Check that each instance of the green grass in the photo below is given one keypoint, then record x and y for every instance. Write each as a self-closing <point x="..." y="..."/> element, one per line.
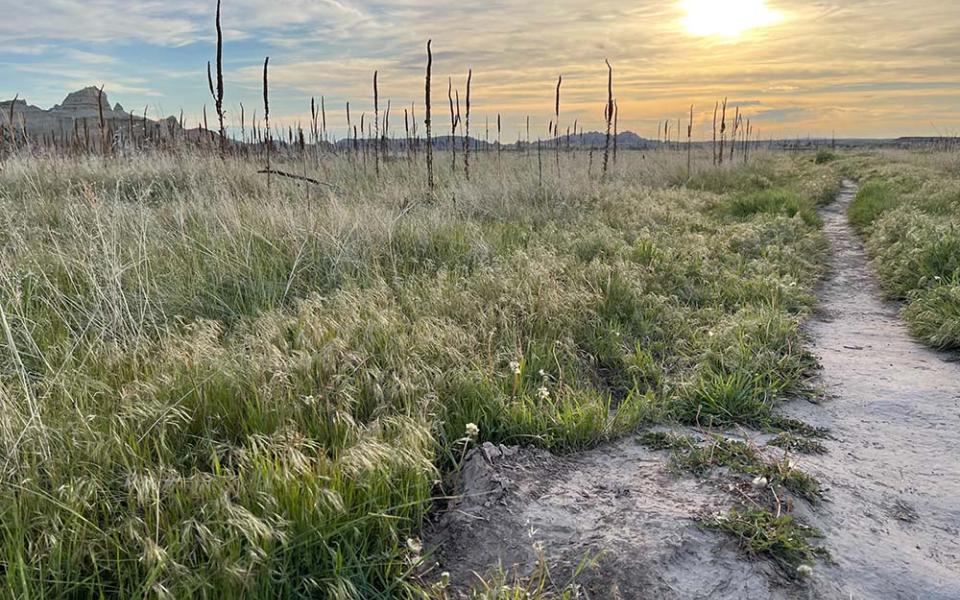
<point x="825" y="156"/>
<point x="773" y="202"/>
<point x="780" y="538"/>
<point x="209" y="389"/>
<point x="872" y="200"/>
<point x="738" y="457"/>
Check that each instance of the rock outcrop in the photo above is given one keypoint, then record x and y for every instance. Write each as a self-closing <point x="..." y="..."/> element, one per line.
<point x="80" y="110"/>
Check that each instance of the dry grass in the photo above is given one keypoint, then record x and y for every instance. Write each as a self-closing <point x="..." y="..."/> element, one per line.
<point x="213" y="385"/>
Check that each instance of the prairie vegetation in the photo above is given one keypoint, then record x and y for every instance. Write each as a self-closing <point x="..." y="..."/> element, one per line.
<point x="216" y="385"/>
<point x="908" y="209"/>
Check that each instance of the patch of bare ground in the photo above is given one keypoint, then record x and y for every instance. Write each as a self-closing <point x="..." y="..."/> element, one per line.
<point x="619" y="504"/>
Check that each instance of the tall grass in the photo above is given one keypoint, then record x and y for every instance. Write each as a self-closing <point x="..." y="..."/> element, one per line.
<point x="216" y="388"/>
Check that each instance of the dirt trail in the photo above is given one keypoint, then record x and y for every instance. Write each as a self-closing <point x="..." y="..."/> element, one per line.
<point x="891" y="518"/>
<point x="893" y="472"/>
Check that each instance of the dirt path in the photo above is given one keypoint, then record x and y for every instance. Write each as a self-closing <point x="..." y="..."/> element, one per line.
<point x="893" y="472"/>
<point x="891" y="518"/>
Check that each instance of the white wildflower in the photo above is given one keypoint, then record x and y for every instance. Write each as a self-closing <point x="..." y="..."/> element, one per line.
<point x="805" y="570"/>
<point x="543" y="393"/>
<point x="414" y="546"/>
<point x="515" y="367"/>
<point x="472" y="430"/>
<point x="542" y="373"/>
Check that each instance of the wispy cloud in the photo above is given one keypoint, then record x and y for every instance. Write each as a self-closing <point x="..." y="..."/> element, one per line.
<point x="849" y="65"/>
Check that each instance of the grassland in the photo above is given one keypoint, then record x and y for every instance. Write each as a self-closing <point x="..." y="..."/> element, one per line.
<point x="215" y="388"/>
<point x="908" y="209"/>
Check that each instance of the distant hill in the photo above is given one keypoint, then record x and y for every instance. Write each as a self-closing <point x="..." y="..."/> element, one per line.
<point x="80" y="110"/>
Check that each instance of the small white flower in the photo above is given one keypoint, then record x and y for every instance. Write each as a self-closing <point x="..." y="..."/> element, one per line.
<point x="414" y="546"/>
<point x="542" y="373"/>
<point x="515" y="367"/>
<point x="760" y="482"/>
<point x="543" y="393"/>
<point x="472" y="430"/>
<point x="805" y="570"/>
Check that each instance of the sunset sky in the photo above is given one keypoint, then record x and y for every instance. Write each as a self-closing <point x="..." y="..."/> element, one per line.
<point x="862" y="68"/>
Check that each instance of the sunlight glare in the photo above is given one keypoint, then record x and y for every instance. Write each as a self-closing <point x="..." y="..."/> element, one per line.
<point x="727" y="18"/>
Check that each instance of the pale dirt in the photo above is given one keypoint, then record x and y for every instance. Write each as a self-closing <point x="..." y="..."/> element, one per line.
<point x="891" y="518"/>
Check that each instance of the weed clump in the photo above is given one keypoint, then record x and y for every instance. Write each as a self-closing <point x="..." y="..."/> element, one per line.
<point x="796" y="443"/>
<point x="742" y="458"/>
<point x="824" y="156"/>
<point x="789" y="544"/>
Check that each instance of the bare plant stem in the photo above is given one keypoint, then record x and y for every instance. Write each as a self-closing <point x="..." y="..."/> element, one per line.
<point x="608" y="113"/>
<point x="427" y="121"/>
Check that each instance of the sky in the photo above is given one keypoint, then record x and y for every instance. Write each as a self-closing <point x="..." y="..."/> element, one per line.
<point x="853" y="68"/>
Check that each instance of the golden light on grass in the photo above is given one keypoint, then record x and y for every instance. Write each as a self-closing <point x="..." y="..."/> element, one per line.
<point x="727" y="18"/>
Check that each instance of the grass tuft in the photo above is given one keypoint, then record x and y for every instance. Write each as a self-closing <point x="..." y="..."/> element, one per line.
<point x="782" y="539"/>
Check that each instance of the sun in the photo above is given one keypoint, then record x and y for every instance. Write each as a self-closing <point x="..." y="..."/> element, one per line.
<point x="727" y="18"/>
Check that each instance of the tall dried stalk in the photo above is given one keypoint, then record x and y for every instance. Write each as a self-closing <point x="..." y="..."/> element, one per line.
<point x="427" y="120"/>
<point x="556" y="123"/>
<point x="323" y="117"/>
<point x="466" y="134"/>
<point x="243" y="124"/>
<point x="406" y="132"/>
<point x="103" y="125"/>
<point x="733" y="136"/>
<point x="608" y="114"/>
<point x="266" y="114"/>
<point x="385" y="133"/>
<point x="453" y="121"/>
<point x="498" y="140"/>
<point x="376" y="124"/>
<point x="723" y="129"/>
<point x="746" y="142"/>
<point x="690" y="141"/>
<point x="218" y="92"/>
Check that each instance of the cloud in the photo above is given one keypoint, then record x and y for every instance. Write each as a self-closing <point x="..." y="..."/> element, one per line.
<point x="822" y="62"/>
